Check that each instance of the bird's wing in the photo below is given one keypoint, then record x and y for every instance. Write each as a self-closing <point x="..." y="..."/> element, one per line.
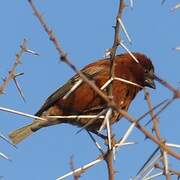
<point x="89" y="72"/>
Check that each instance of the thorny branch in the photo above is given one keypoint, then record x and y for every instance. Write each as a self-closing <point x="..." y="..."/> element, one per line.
<point x="176" y="92"/>
<point x="154" y="118"/>
<point x="157" y="131"/>
<point x="63" y="56"/>
<point x="117" y="39"/>
<point x="173" y="172"/>
<point x="107" y="156"/>
<point x="12" y="76"/>
<point x="12" y="73"/>
<point x="83" y="168"/>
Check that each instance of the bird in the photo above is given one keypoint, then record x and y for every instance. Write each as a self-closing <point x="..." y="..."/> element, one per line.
<point x="130" y="77"/>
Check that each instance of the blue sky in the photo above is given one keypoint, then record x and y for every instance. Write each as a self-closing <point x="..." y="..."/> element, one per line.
<point x="84" y="29"/>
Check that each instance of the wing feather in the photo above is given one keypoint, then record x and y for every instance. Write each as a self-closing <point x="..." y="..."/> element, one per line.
<point x="90" y="72"/>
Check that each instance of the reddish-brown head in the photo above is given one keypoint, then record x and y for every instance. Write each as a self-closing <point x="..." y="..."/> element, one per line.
<point x="140" y="73"/>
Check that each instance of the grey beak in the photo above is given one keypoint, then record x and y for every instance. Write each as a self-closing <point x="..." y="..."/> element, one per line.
<point x="150" y="83"/>
<point x="149" y="80"/>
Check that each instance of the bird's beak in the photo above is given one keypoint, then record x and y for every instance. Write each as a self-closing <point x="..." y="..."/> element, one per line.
<point x="149" y="80"/>
<point x="150" y="83"/>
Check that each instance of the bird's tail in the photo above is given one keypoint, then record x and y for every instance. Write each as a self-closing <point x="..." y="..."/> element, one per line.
<point x="20" y="134"/>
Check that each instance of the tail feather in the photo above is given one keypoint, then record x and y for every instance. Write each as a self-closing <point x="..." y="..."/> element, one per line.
<point x="20" y="134"/>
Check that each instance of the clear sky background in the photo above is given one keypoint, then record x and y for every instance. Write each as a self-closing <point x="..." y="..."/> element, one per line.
<point x="84" y="29"/>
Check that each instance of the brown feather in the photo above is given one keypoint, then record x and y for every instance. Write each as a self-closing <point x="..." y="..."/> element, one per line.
<point x="84" y="100"/>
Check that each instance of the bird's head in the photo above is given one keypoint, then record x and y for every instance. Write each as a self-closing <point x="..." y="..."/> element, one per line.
<point x="147" y="70"/>
<point x="141" y="73"/>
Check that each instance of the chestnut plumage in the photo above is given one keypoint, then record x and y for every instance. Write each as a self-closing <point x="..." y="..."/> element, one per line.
<point x="85" y="101"/>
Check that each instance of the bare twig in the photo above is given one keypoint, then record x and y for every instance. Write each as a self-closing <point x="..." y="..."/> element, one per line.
<point x="106" y="122"/>
<point x="162" y="109"/>
<point x="12" y="73"/>
<point x="76" y="117"/>
<point x="117" y="145"/>
<point x="166" y="165"/>
<point x="109" y="162"/>
<point x="75" y="175"/>
<point x="32" y="52"/>
<point x="168" y="86"/>
<point x="21" y="113"/>
<point x="154" y="118"/>
<point x="117" y="39"/>
<point x="154" y="108"/>
<point x="125" y="31"/>
<point x="128" y="51"/>
<point x="120" y="79"/>
<point x="153" y="176"/>
<point x="149" y="164"/>
<point x="173" y="172"/>
<point x="19" y="89"/>
<point x="83" y="168"/>
<point x="96" y="143"/>
<point x="126" y="135"/>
